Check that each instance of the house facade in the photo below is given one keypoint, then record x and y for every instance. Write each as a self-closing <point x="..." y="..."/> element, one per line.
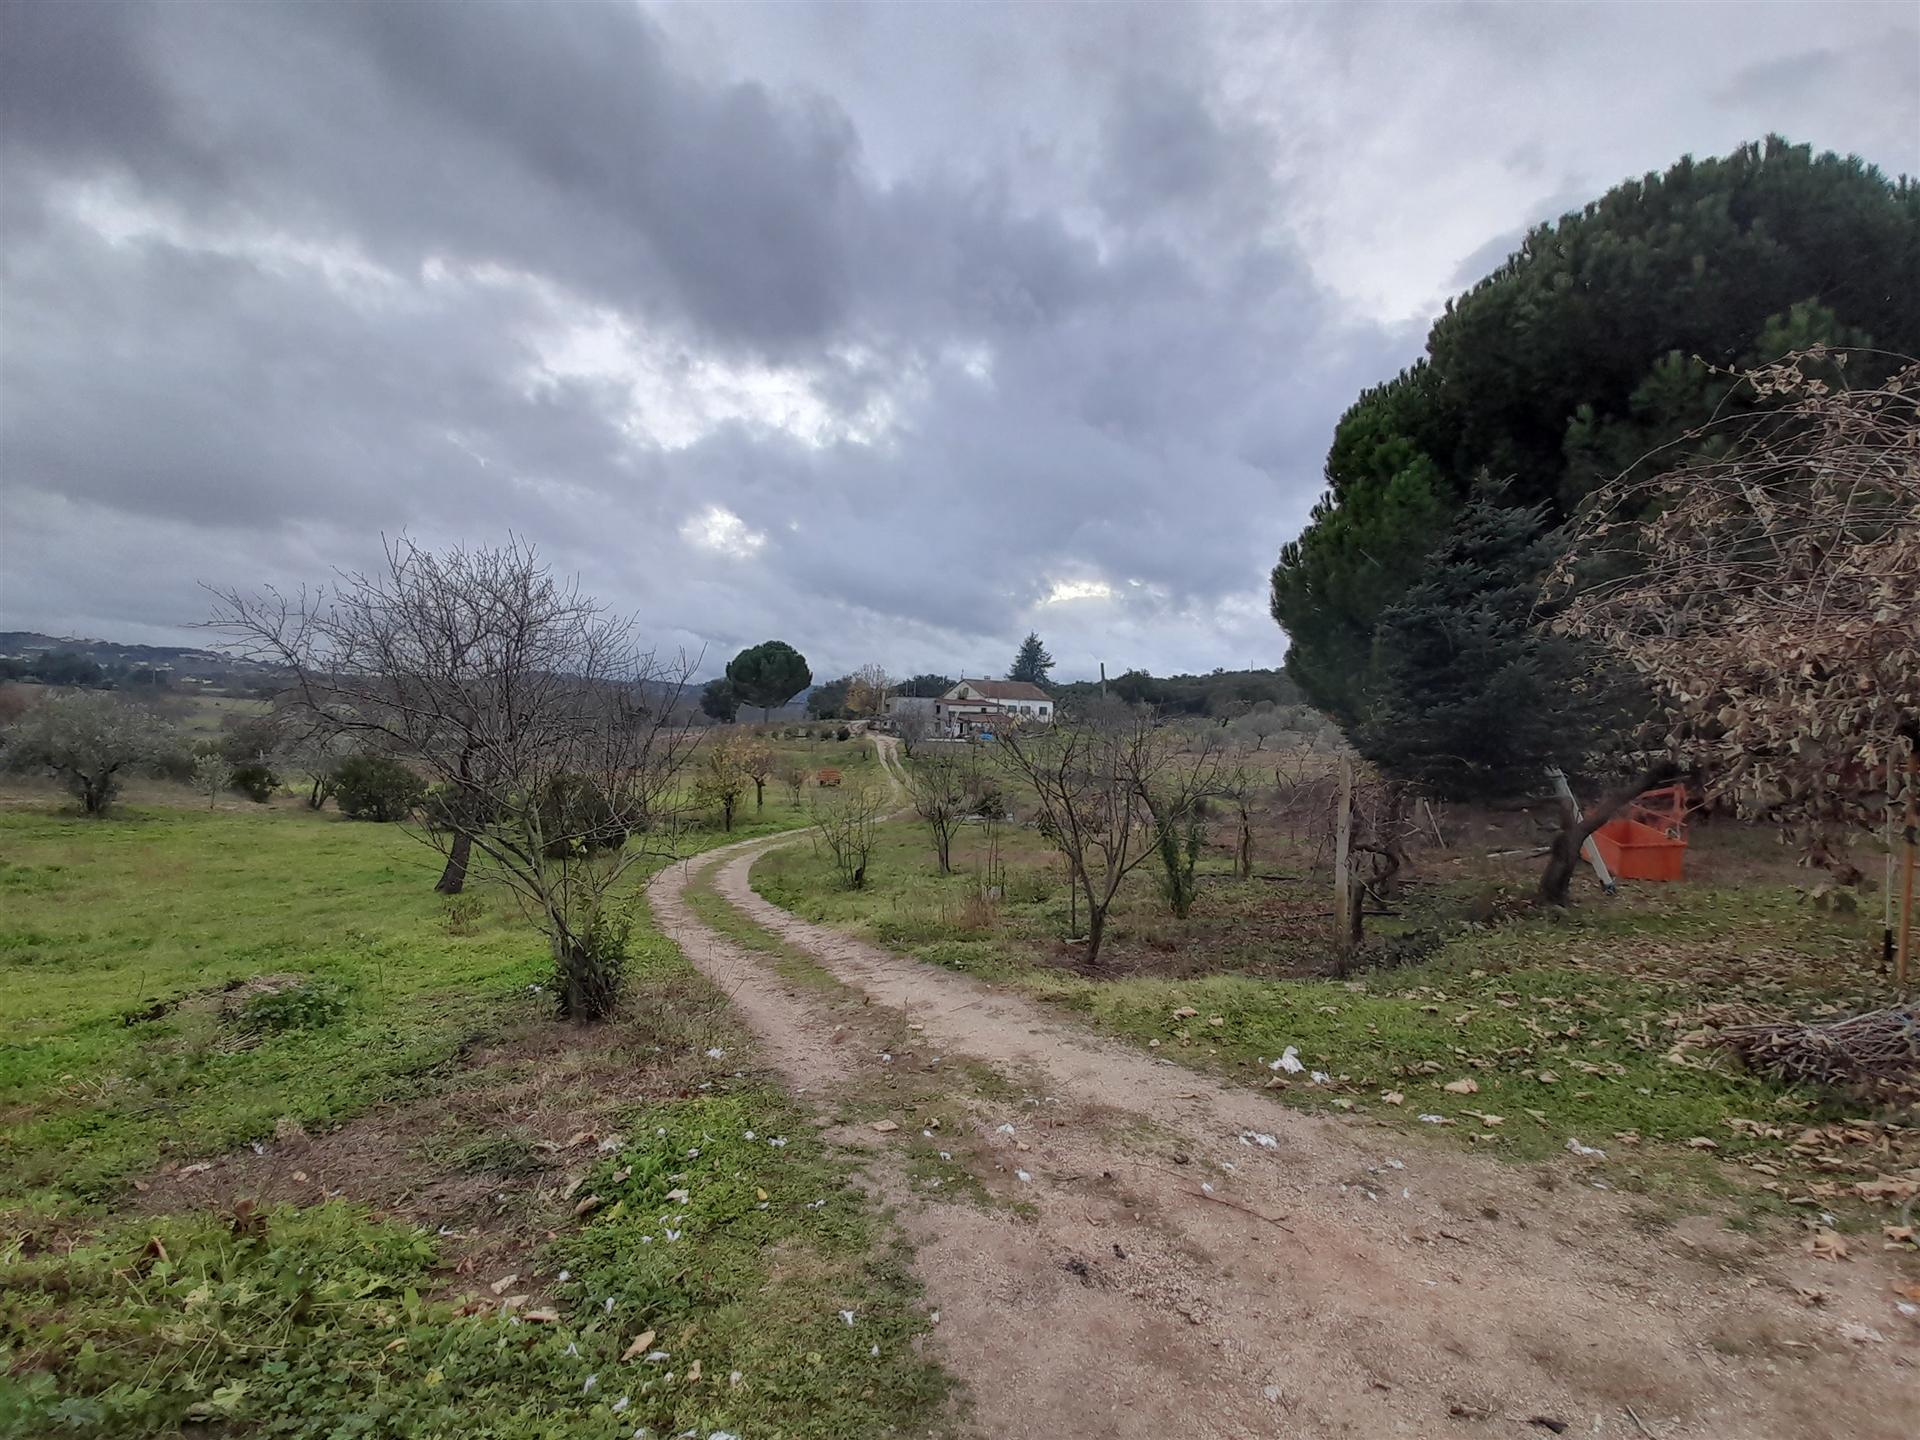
<point x="973" y="706"/>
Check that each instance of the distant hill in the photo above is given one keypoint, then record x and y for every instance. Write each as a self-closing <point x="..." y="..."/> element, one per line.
<point x="79" y="660"/>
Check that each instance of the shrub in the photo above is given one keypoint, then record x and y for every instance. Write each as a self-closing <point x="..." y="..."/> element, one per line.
<point x="255" y="781"/>
<point x="176" y="765"/>
<point x="377" y="787"/>
<point x="306" y="1006"/>
<point x="591" y="973"/>
<point x="843" y="733"/>
<point x="577" y="817"/>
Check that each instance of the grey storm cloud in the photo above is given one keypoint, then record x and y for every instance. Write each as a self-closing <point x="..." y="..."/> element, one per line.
<point x="892" y="330"/>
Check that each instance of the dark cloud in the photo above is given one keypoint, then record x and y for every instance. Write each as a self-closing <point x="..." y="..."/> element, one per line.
<point x="893" y="330"/>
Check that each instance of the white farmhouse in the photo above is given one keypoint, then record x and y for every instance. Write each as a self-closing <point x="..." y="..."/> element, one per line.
<point x="979" y="704"/>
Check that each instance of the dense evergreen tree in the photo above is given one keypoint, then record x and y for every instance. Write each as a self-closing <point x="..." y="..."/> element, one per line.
<point x="926" y="687"/>
<point x="1579" y="354"/>
<point x="1032" y="663"/>
<point x="720" y="701"/>
<point x="829" y="699"/>
<point x="1473" y="697"/>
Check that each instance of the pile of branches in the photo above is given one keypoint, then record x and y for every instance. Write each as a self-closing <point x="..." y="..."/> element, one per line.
<point x="1875" y="1056"/>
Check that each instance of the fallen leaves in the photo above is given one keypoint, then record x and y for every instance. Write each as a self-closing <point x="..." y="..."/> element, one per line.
<point x="639" y="1345"/>
<point x="1826" y="1244"/>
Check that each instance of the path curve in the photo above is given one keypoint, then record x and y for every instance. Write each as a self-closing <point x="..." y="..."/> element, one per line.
<point x="1413" y="1290"/>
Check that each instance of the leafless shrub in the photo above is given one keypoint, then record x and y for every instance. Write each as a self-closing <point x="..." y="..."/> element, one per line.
<point x="843" y="824"/>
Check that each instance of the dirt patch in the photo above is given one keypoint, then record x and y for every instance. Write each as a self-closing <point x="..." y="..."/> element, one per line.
<point x="485" y="1163"/>
<point x="1295" y="1274"/>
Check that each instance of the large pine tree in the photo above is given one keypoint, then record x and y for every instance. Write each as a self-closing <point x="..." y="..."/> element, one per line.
<point x="1033" y="662"/>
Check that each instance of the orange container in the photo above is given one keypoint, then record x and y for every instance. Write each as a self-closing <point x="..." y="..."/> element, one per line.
<point x="1634" y="851"/>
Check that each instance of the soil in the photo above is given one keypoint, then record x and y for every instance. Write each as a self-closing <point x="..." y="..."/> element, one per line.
<point x="550" y="1091"/>
<point x="1190" y="1258"/>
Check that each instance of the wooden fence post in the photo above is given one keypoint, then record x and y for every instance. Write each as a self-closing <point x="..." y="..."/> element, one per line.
<point x="1905" y="950"/>
<point x="1342" y="878"/>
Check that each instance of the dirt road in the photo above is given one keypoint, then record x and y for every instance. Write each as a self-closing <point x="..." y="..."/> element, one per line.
<point x="1151" y="1253"/>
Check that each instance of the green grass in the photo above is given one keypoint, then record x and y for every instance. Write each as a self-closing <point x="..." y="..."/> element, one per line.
<point x="321" y="1321"/>
<point x="154" y="914"/>
<point x="1562" y="1021"/>
<point x="124" y="1050"/>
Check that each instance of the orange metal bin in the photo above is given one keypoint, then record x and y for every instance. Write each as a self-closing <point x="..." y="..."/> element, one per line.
<point x="1634" y="851"/>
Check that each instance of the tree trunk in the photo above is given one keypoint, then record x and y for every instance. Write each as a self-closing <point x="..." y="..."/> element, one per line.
<point x="453" y="879"/>
<point x="1096" y="931"/>
<point x="943" y="847"/>
<point x="1563" y="856"/>
<point x="759" y="792"/>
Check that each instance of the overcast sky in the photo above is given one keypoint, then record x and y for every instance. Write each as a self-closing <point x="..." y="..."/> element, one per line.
<point x="892" y="331"/>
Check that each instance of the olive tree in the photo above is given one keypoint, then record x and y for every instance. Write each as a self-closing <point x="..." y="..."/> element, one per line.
<point x="89" y="739"/>
<point x="500" y="685"/>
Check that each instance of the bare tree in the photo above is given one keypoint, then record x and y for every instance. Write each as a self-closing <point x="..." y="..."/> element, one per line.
<point x="1238" y="783"/>
<point x="794" y="778"/>
<point x="843" y="823"/>
<point x="755" y="759"/>
<point x="90" y="739"/>
<point x="944" y="788"/>
<point x="1175" y="785"/>
<point x="1086" y="781"/>
<point x="912" y="725"/>
<point x="867" y="691"/>
<point x="547" y="732"/>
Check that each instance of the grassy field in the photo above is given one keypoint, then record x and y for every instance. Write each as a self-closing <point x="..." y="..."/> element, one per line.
<point x="1517" y="1036"/>
<point x="279" y="1123"/>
